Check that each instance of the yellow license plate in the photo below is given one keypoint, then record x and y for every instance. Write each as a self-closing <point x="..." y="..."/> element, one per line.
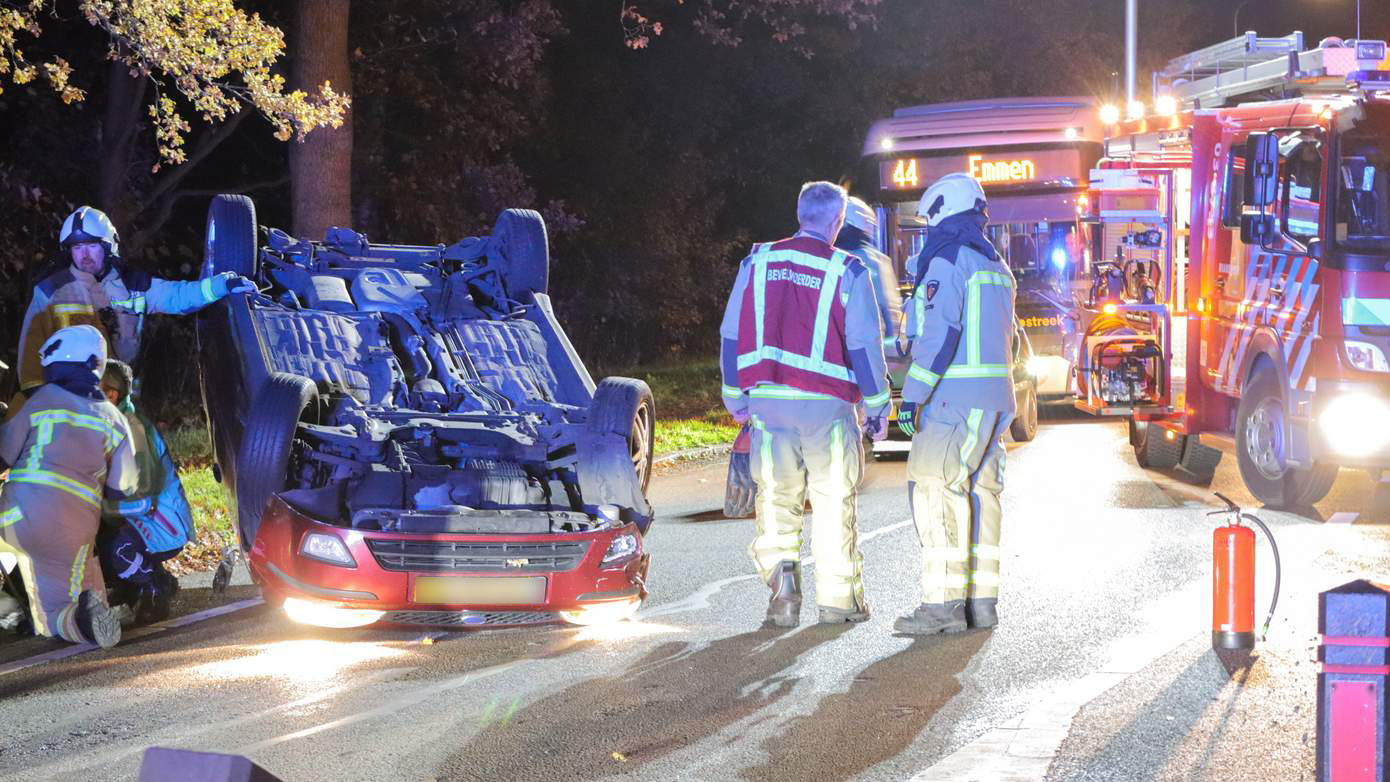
<point x="473" y="590"/>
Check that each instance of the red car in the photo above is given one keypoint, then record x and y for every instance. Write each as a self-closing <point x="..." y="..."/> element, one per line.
<point x="409" y="436"/>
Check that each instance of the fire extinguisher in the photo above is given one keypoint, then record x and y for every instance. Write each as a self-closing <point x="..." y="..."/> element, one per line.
<point x="1233" y="579"/>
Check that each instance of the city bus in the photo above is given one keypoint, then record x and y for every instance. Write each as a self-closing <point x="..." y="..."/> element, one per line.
<point x="1033" y="157"/>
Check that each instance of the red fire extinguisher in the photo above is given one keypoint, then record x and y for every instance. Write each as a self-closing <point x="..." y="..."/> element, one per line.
<point x="1233" y="580"/>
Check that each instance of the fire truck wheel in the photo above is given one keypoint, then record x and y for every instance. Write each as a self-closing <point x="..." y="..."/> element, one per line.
<point x="1261" y="449"/>
<point x="1199" y="462"/>
<point x="1156" y="448"/>
<point x="1024" y="427"/>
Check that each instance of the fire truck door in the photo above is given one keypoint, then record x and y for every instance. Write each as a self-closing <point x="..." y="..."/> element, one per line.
<point x="1225" y="262"/>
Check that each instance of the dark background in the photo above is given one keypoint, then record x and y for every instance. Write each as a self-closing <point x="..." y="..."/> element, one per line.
<point x="655" y="168"/>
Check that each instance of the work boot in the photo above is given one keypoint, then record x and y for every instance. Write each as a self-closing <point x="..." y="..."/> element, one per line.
<point x="982" y="613"/>
<point x="833" y="616"/>
<point x="784" y="607"/>
<point x="932" y="618"/>
<point x="98" y="623"/>
<point x="11" y="612"/>
<point x="156" y="598"/>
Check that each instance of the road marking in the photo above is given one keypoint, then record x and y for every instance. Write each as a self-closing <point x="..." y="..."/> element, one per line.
<point x="700" y="598"/>
<point x="1343" y="517"/>
<point x="138" y="632"/>
<point x="1024" y="748"/>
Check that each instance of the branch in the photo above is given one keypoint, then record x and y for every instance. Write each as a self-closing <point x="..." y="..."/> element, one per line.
<point x="173" y="176"/>
<point x="166" y="204"/>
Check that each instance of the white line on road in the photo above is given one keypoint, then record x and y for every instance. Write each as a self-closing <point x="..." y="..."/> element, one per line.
<point x="139" y="632"/>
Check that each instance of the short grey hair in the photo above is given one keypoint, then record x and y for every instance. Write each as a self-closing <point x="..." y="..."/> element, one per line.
<point x="820" y="203"/>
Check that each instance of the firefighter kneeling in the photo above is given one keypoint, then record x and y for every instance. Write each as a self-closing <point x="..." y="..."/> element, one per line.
<point x="801" y="348"/>
<point x="957" y="402"/>
<point x="67" y="448"/>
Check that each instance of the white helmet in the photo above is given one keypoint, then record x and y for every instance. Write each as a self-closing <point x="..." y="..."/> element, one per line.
<point x="90" y="225"/>
<point x="859" y="215"/>
<point x="951" y="195"/>
<point x="77" y="344"/>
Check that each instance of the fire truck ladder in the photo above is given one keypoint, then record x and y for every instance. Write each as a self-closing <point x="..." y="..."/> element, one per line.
<point x="1250" y="67"/>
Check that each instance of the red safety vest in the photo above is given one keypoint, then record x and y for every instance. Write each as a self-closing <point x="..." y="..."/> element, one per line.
<point x="792" y="319"/>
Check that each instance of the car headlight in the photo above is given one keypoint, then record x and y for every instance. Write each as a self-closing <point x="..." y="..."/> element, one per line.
<point x="1356" y="424"/>
<point x="1367" y="357"/>
<point x="622" y="547"/>
<point x="326" y="548"/>
<point x="1036" y="366"/>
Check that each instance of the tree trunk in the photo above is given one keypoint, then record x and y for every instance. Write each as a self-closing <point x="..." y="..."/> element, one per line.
<point x="125" y="97"/>
<point x="321" y="165"/>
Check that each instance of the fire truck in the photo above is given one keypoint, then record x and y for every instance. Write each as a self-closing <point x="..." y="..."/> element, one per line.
<point x="1238" y="239"/>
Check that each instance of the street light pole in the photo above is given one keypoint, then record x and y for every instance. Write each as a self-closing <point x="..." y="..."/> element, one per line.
<point x="1235" y="21"/>
<point x="1131" y="44"/>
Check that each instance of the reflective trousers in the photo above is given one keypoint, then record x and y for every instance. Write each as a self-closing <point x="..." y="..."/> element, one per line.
<point x="955" y="474"/>
<point x="812" y="447"/>
<point x="53" y="534"/>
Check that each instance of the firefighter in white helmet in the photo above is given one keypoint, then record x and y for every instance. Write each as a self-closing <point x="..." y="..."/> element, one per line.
<point x="97" y="289"/>
<point x="858" y="237"/>
<point x="801" y="348"/>
<point x="66" y="449"/>
<point x="958" y="400"/>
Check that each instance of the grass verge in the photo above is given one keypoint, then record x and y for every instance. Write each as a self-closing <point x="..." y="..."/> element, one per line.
<point x="689" y="415"/>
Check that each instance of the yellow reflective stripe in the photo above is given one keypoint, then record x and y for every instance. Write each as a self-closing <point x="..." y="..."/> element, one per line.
<point x="114" y="436"/>
<point x="79" y="568"/>
<point x="827" y="299"/>
<point x="925" y="375"/>
<point x="758" y="279"/>
<point x="54" y="480"/>
<point x="730" y="391"/>
<point x="944" y="554"/>
<point x="986" y="551"/>
<point x="984" y="578"/>
<point x="73" y="309"/>
<point x="991" y="278"/>
<point x="784" y="392"/>
<point x="206" y="289"/>
<point x="979" y="370"/>
<point x="10" y="517"/>
<point x="877" y="400"/>
<point x="770" y="353"/>
<point x="972" y="438"/>
<point x="135" y="304"/>
<point x="768" y="487"/>
<point x="972" y="325"/>
<point x="801" y="259"/>
<point x="955" y="581"/>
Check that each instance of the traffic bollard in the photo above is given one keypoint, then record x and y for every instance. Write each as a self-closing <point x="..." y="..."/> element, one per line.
<point x="1354" y="623"/>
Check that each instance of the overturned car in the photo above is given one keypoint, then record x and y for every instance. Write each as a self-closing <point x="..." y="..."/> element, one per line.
<point x="409" y="436"/>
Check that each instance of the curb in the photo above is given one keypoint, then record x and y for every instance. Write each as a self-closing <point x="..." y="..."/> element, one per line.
<point x="690" y="454"/>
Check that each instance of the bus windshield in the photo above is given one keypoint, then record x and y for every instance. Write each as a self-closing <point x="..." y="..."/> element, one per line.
<point x="1363" y="194"/>
<point x="1042" y="255"/>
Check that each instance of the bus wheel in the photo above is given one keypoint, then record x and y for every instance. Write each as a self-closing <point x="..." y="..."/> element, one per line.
<point x="1262" y="449"/>
<point x="1155" y="448"/>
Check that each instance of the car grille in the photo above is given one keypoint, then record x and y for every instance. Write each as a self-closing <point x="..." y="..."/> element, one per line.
<point x="469" y="618"/>
<point x="455" y="557"/>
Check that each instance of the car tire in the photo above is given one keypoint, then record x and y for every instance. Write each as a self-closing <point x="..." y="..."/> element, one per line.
<point x="1024" y="427"/>
<point x="1153" y="449"/>
<point x="231" y="237"/>
<point x="625" y="406"/>
<point x="264" y="455"/>
<point x="520" y="237"/>
<point x="1261" y="450"/>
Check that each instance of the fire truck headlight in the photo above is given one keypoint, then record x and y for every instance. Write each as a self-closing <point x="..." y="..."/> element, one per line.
<point x="1366" y="357"/>
<point x="1135" y="109"/>
<point x="1166" y="105"/>
<point x="1356" y="424"/>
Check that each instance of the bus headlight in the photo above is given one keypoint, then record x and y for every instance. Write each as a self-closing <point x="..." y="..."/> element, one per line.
<point x="1037" y="366"/>
<point x="1356" y="424"/>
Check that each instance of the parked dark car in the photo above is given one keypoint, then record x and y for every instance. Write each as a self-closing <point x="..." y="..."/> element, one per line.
<point x="409" y="436"/>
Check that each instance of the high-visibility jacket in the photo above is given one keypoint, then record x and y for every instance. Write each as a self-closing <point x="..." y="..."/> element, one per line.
<point x="71" y="297"/>
<point x="72" y="444"/>
<point x="961" y="323"/>
<point x="802" y="322"/>
<point x="156" y="509"/>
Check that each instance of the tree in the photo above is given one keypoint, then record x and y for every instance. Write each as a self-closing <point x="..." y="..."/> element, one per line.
<point x="321" y="165"/>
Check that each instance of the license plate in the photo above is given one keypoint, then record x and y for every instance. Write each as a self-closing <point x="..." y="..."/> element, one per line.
<point x="473" y="590"/>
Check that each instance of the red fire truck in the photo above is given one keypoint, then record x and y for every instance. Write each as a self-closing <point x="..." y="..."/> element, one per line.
<point x="1238" y="236"/>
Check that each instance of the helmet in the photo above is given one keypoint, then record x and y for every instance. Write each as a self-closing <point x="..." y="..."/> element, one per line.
<point x="76" y="344"/>
<point x="859" y="215"/>
<point x="90" y="225"/>
<point x="952" y="194"/>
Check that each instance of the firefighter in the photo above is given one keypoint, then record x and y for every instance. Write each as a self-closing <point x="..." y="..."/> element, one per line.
<point x="99" y="290"/>
<point x="857" y="236"/>
<point x="958" y="399"/>
<point x="141" y="532"/>
<point x="801" y="348"/>
<point x="66" y="449"/>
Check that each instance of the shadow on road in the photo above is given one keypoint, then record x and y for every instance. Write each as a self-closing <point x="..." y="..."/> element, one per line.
<point x="671" y="698"/>
<point x="885" y="709"/>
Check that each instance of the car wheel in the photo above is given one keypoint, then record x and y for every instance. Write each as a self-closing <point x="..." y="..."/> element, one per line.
<point x="625" y="406"/>
<point x="1199" y="462"/>
<point x="520" y="235"/>
<point x="231" y="236"/>
<point x="1156" y="448"/>
<point x="1262" y="449"/>
<point x="1024" y="427"/>
<point x="264" y="455"/>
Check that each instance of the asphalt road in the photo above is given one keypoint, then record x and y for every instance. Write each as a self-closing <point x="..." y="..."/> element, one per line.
<point x="1101" y="668"/>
